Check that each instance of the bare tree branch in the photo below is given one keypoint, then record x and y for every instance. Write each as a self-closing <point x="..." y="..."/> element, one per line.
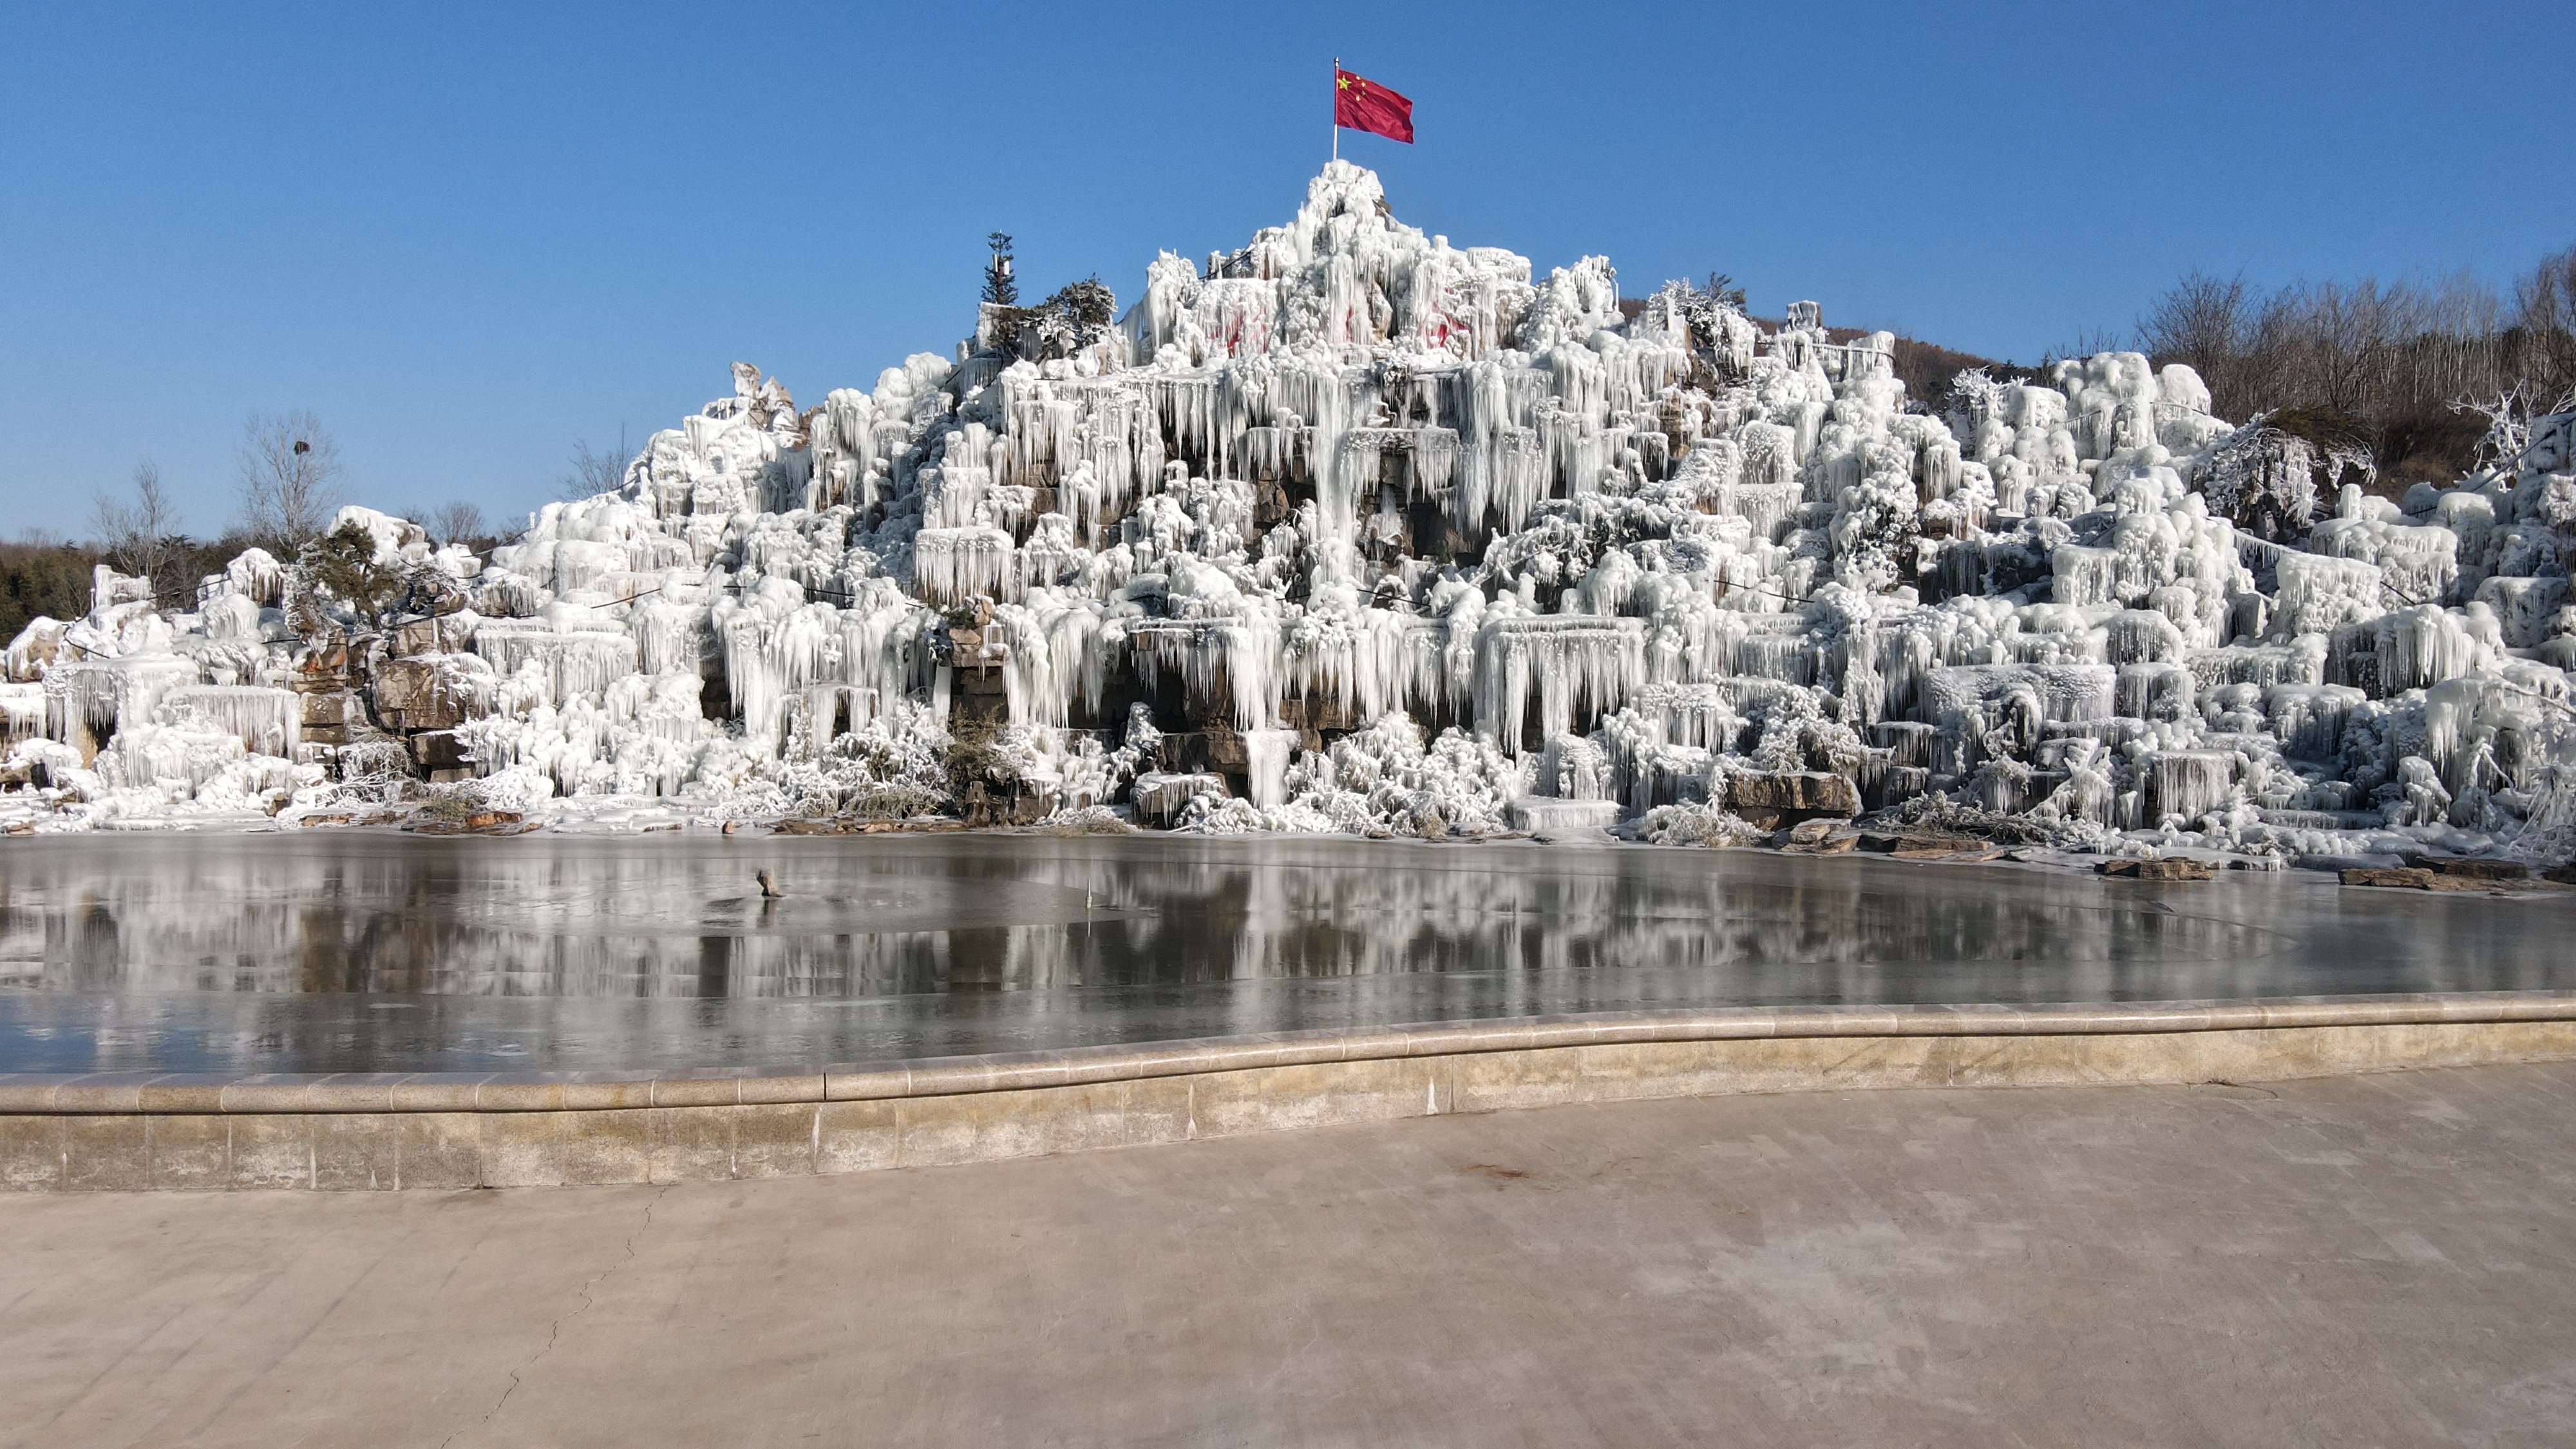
<point x="290" y="473"/>
<point x="2203" y="322"/>
<point x="457" y="523"/>
<point x="2396" y="357"/>
<point x="2545" y="312"/>
<point x="140" y="537"/>
<point x="598" y="470"/>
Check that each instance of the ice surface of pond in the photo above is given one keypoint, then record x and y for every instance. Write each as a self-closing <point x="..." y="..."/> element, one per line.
<point x="382" y="952"/>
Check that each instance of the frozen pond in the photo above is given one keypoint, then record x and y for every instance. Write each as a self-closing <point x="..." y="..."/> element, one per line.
<point x="364" y="951"/>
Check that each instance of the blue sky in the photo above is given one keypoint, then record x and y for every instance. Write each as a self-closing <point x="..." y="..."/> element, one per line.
<point x="469" y="236"/>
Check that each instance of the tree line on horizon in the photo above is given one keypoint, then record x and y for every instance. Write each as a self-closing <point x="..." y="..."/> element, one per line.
<point x="290" y="483"/>
<point x="2415" y="370"/>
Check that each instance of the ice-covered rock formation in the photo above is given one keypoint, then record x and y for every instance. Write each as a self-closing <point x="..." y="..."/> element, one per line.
<point x="1352" y="529"/>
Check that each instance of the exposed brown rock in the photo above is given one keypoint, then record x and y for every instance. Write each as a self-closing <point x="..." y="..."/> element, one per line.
<point x="2481" y="870"/>
<point x="1923" y="847"/>
<point x="445" y="634"/>
<point x="1946" y="852"/>
<point x="1819" y="837"/>
<point x="481" y="822"/>
<point x="2371" y="875"/>
<point x="1774" y="797"/>
<point x="2170" y="868"/>
<point x="438" y="750"/>
<point x="414" y="694"/>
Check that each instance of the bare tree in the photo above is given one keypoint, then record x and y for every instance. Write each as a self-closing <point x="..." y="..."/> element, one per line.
<point x="598" y="470"/>
<point x="458" y="522"/>
<point x="2088" y="341"/>
<point x="2390" y="356"/>
<point x="2202" y="322"/>
<point x="140" y="537"/>
<point x="2458" y="343"/>
<point x="2544" y="306"/>
<point x="290" y="473"/>
<point x="2353" y="335"/>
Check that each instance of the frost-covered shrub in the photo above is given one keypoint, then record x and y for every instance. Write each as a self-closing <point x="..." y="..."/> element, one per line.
<point x="985" y="752"/>
<point x="1697" y="823"/>
<point x="1796" y="734"/>
<point x="1384" y="781"/>
<point x="2267" y="476"/>
<point x="1086" y="820"/>
<point x="453" y="804"/>
<point x="517" y="789"/>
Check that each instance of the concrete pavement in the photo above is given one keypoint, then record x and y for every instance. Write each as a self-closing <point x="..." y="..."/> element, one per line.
<point x="2374" y="1259"/>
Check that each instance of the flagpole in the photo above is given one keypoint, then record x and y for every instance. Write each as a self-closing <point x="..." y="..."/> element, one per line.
<point x="1337" y="108"/>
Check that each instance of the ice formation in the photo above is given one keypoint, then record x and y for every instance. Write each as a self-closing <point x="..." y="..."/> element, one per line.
<point x="1352" y="529"/>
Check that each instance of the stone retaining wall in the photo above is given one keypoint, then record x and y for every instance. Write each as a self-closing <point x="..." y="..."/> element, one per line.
<point x="453" y="1131"/>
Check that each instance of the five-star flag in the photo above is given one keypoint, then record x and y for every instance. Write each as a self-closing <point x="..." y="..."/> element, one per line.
<point x="1364" y="105"/>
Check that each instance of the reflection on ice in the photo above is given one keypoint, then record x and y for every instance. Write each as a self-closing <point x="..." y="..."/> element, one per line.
<point x="188" y="952"/>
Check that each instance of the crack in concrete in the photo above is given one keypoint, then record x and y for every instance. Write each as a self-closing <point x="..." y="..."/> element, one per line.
<point x="554" y="1330"/>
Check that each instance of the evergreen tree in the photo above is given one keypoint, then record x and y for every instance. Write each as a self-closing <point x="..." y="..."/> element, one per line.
<point x="999" y="289"/>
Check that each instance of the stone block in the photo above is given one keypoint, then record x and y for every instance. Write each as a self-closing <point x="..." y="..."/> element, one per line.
<point x="604" y="1091"/>
<point x="1318" y="1094"/>
<point x="31" y="1152"/>
<point x="596" y="1148"/>
<point x="272" y="1151"/>
<point x="324" y="659"/>
<point x="1791" y="794"/>
<point x="446" y="634"/>
<point x="324" y="709"/>
<point x="1226" y="751"/>
<point x="112" y="1153"/>
<point x="774" y="1140"/>
<point x="757" y="1087"/>
<point x="357" y="1151"/>
<point x="438" y="1149"/>
<point x="405" y="684"/>
<point x="696" y="1144"/>
<point x="439" y="710"/>
<point x="1158" y="1109"/>
<point x="988" y="1126"/>
<point x="523" y="1149"/>
<point x="193" y="1151"/>
<point x="856" y="1136"/>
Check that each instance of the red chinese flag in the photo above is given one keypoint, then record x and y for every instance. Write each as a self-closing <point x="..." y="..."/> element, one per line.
<point x="1364" y="105"/>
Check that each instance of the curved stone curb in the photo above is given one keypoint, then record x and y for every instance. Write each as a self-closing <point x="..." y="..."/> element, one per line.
<point x="467" y="1130"/>
<point x="183" y="1094"/>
